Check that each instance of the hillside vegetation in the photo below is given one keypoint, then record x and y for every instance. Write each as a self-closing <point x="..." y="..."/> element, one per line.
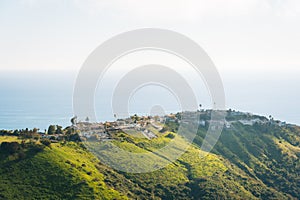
<point x="248" y="162"/>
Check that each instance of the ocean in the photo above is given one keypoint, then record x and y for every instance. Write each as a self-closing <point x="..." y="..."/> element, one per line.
<point x="32" y="99"/>
<point x="35" y="99"/>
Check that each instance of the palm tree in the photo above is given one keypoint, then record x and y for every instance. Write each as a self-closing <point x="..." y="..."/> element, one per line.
<point x="74" y="120"/>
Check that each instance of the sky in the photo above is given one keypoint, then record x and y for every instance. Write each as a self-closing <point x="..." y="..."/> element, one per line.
<point x="238" y="35"/>
<point x="254" y="44"/>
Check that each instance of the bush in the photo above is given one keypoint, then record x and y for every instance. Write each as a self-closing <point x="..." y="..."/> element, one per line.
<point x="46" y="142"/>
<point x="170" y="135"/>
<point x="10" y="147"/>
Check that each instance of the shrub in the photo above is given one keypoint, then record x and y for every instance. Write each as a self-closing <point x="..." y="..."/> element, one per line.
<point x="89" y="173"/>
<point x="46" y="142"/>
<point x="170" y="135"/>
<point x="10" y="147"/>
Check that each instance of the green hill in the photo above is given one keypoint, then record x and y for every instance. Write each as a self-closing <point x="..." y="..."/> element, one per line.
<point x="259" y="161"/>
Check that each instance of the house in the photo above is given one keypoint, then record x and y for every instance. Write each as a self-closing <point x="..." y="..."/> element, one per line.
<point x="280" y="123"/>
<point x="247" y="122"/>
<point x="251" y="122"/>
<point x="202" y="122"/>
<point x="227" y="124"/>
<point x="258" y="121"/>
<point x="216" y="124"/>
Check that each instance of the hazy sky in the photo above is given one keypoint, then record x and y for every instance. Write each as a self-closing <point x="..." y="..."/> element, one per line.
<point x="238" y="35"/>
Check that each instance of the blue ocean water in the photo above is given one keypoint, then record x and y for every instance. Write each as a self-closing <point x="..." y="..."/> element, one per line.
<point x="31" y="99"/>
<point x="35" y="99"/>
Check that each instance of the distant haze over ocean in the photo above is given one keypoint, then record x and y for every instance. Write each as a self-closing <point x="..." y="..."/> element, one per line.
<point x="39" y="98"/>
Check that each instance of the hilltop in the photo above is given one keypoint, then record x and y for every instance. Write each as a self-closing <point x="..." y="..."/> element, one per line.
<point x="255" y="158"/>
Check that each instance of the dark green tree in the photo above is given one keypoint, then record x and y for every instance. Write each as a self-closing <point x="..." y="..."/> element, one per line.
<point x="59" y="130"/>
<point x="51" y="130"/>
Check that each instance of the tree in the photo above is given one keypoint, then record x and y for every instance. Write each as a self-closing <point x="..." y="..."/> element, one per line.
<point x="35" y="131"/>
<point x="10" y="147"/>
<point x="35" y="134"/>
<point x="74" y="120"/>
<point x="69" y="130"/>
<point x="59" y="130"/>
<point x="135" y="118"/>
<point x="51" y="130"/>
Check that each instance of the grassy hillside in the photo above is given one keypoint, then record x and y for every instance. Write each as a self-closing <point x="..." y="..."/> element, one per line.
<point x="59" y="172"/>
<point x="266" y="152"/>
<point x="248" y="162"/>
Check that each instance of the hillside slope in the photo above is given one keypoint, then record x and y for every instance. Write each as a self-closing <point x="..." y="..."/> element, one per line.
<point x="248" y="162"/>
<point x="268" y="152"/>
<point x="59" y="172"/>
